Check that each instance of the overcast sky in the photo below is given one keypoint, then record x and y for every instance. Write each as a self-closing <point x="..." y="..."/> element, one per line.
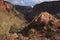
<point x="27" y="2"/>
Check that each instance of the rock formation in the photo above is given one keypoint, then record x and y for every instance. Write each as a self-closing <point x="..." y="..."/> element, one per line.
<point x="4" y="5"/>
<point x="43" y="21"/>
<point x="45" y="17"/>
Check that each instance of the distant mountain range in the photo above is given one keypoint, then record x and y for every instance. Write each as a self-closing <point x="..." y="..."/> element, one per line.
<point x="25" y="10"/>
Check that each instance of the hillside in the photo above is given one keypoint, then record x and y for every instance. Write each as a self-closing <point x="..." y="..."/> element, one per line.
<point x="26" y="11"/>
<point x="51" y="7"/>
<point x="11" y="20"/>
<point x="42" y="22"/>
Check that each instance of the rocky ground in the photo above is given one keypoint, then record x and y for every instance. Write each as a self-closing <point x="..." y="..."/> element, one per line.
<point x="13" y="25"/>
<point x="44" y="28"/>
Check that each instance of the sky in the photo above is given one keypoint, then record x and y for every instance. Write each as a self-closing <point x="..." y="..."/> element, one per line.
<point x="27" y="2"/>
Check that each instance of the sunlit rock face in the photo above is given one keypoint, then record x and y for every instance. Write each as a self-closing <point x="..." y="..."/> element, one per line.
<point x="43" y="21"/>
<point x="46" y="18"/>
<point x="2" y="5"/>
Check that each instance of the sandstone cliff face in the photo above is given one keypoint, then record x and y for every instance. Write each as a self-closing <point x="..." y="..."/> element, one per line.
<point x="45" y="17"/>
<point x="2" y="5"/>
<point x="47" y="21"/>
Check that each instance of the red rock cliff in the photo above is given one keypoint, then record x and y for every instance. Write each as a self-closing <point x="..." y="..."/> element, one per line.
<point x="5" y="6"/>
<point x="2" y="5"/>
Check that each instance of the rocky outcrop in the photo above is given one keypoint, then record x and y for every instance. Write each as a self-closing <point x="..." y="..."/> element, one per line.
<point x="44" y="21"/>
<point x="47" y="21"/>
<point x="45" y="17"/>
<point x="4" y="5"/>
